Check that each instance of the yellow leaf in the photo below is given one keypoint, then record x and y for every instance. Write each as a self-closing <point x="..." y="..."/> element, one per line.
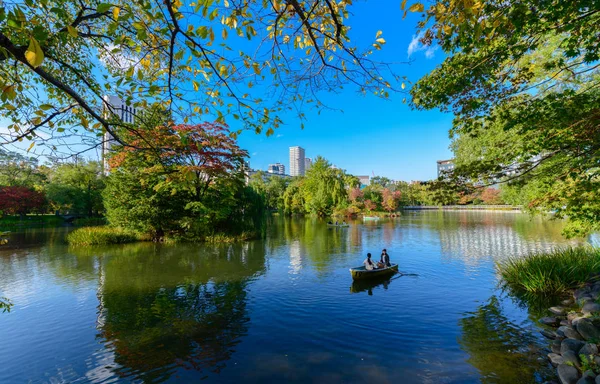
<point x="195" y="84"/>
<point x="378" y="34"/>
<point x="403" y="5"/>
<point x="381" y="40"/>
<point x="34" y="54"/>
<point x="226" y="3"/>
<point x="256" y="68"/>
<point x="116" y="11"/>
<point x="30" y="146"/>
<point x="403" y="85"/>
<point x="72" y="31"/>
<point x="416" y="7"/>
<point x="224" y="33"/>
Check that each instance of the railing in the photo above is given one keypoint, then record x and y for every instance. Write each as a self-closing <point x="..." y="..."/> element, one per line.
<point x="463" y="207"/>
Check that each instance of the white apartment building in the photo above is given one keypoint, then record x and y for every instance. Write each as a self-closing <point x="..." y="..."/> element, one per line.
<point x="277" y="168"/>
<point x="297" y="161"/>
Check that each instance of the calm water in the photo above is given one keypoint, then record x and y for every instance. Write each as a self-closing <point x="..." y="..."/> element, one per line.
<point x="279" y="310"/>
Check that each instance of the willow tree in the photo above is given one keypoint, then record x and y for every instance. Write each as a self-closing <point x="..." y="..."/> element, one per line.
<point x="522" y="78"/>
<point x="253" y="61"/>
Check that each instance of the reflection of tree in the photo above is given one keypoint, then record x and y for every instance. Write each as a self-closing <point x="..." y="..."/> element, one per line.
<point x="499" y="349"/>
<point x="164" y="307"/>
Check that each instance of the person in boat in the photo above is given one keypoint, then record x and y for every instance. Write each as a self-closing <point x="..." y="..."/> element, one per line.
<point x="329" y="222"/>
<point x="336" y="223"/>
<point x="385" y="259"/>
<point x="369" y="264"/>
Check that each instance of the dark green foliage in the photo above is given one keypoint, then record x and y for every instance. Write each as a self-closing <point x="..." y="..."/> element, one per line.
<point x="524" y="91"/>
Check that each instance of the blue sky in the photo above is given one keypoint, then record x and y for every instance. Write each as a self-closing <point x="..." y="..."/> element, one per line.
<point x="370" y="135"/>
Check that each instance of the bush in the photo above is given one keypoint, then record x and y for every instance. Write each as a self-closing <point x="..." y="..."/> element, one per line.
<point x="547" y="274"/>
<point x="101" y="236"/>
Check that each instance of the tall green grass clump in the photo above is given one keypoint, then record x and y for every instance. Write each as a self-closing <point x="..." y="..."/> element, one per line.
<point x="548" y="274"/>
<point x="101" y="236"/>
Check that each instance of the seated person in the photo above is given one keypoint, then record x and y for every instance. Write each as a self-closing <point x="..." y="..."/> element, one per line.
<point x="369" y="264"/>
<point x="385" y="259"/>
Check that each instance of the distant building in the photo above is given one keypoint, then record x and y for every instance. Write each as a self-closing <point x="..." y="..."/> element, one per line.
<point x="113" y="105"/>
<point x="364" y="181"/>
<point x="444" y="166"/>
<point x="297" y="161"/>
<point x="307" y="164"/>
<point x="277" y="168"/>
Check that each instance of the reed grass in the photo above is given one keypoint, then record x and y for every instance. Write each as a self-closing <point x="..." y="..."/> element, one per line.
<point x="101" y="236"/>
<point x="552" y="273"/>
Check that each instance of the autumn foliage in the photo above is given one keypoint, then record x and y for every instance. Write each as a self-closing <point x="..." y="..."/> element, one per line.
<point x="20" y="200"/>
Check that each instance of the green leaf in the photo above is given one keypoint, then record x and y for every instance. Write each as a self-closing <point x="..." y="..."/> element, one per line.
<point x="34" y="54"/>
<point x="72" y="31"/>
<point x="103" y="7"/>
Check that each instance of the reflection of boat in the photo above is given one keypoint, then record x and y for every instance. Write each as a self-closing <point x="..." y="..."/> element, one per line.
<point x="368" y="218"/>
<point x="368" y="285"/>
<point x="360" y="273"/>
<point x="338" y="225"/>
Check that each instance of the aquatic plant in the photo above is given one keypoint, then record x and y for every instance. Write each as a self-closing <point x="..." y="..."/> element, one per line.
<point x="102" y="236"/>
<point x="547" y="274"/>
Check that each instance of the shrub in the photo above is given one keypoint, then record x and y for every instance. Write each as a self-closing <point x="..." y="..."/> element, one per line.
<point x="547" y="274"/>
<point x="101" y="236"/>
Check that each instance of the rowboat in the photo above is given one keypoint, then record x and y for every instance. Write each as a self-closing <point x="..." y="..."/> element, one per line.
<point x="338" y="225"/>
<point x="361" y="273"/>
<point x="367" y="218"/>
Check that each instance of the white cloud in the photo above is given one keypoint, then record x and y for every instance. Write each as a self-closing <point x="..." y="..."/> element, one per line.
<point x="416" y="46"/>
<point x="279" y="135"/>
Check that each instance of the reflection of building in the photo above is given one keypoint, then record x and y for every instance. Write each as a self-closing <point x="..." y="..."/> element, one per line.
<point x="444" y="166"/>
<point x="295" y="257"/>
<point x="307" y="164"/>
<point x="276" y="168"/>
<point x="297" y="161"/>
<point x="114" y="107"/>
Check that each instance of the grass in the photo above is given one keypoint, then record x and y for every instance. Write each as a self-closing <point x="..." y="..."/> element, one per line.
<point x="549" y="274"/>
<point x="101" y="236"/>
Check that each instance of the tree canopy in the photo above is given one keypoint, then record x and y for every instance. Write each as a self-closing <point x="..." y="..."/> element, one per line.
<point x="522" y="80"/>
<point x="246" y="61"/>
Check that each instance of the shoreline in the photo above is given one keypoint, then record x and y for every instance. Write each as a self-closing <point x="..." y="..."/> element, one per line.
<point x="574" y="331"/>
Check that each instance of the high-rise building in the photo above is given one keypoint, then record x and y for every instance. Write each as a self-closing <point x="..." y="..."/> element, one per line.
<point x="307" y="164"/>
<point x="113" y="105"/>
<point x="297" y="161"/>
<point x="444" y="166"/>
<point x="277" y="169"/>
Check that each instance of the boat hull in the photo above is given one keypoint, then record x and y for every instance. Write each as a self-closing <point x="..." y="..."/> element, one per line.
<point x="361" y="273"/>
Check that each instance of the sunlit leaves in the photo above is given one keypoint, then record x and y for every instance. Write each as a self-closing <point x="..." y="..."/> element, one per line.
<point x="34" y="54"/>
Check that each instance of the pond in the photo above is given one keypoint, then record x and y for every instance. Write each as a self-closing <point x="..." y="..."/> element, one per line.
<point x="282" y="309"/>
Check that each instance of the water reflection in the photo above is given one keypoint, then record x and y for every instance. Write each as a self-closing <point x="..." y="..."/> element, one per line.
<point x="501" y="350"/>
<point x="368" y="286"/>
<point x="164" y="308"/>
<point x="274" y="310"/>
